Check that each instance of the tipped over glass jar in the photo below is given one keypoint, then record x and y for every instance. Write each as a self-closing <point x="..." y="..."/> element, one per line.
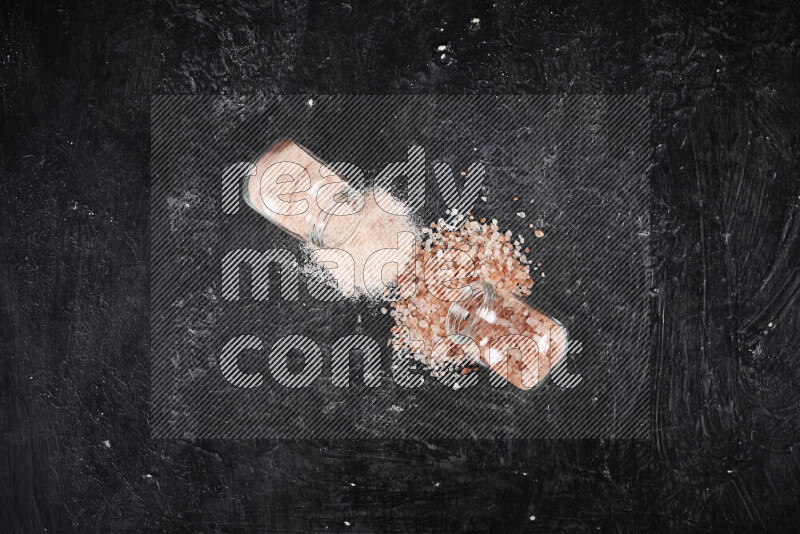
<point x="501" y="332"/>
<point x="300" y="195"/>
<point x="346" y="226"/>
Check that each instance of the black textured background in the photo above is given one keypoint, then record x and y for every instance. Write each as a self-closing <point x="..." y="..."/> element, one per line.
<point x="75" y="85"/>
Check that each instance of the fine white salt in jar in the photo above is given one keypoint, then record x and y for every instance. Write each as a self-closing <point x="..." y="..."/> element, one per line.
<point x="346" y="227"/>
<point x="296" y="192"/>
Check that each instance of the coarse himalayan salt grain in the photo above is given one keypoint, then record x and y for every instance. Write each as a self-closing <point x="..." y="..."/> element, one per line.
<point x="538" y="233"/>
<point x="495" y="259"/>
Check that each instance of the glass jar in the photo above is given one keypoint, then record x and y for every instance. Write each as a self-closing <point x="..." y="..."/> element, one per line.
<point x="295" y="191"/>
<point x="501" y="332"/>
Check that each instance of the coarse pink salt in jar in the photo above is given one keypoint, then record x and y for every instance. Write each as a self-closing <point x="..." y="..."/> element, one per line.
<point x="501" y="332"/>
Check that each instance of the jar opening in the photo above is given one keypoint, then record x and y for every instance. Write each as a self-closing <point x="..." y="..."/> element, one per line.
<point x="463" y="315"/>
<point x="341" y="211"/>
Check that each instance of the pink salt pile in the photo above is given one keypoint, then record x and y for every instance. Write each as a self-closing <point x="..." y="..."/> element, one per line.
<point x="496" y="258"/>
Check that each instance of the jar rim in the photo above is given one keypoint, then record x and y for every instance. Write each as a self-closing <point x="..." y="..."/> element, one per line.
<point x="355" y="199"/>
<point x="461" y="322"/>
